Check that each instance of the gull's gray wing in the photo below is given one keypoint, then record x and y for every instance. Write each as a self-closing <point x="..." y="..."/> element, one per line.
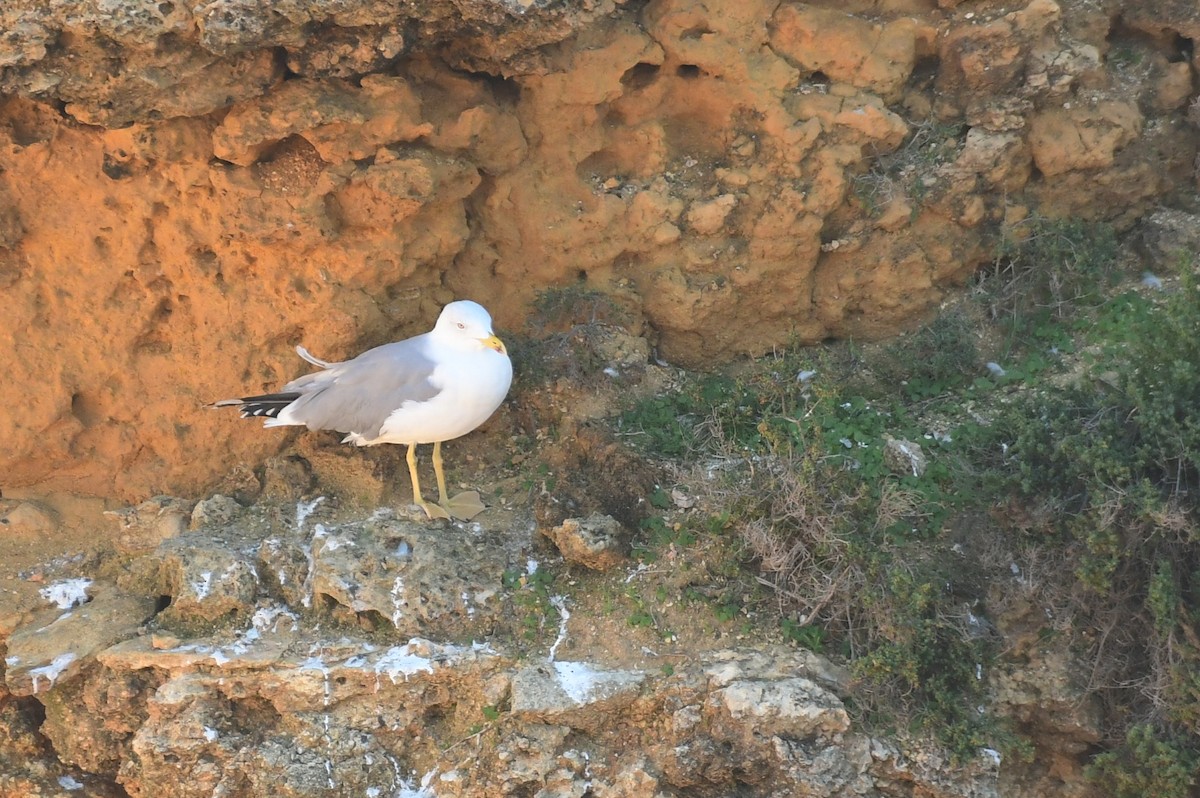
<point x="357" y="396"/>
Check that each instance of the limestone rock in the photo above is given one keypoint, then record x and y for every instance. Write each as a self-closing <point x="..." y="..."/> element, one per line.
<point x="986" y="57"/>
<point x="207" y="581"/>
<point x="53" y="646"/>
<point x="576" y="694"/>
<point x="750" y="690"/>
<point x="904" y="457"/>
<point x="396" y="189"/>
<point x="847" y="48"/>
<point x="223" y="53"/>
<point x="276" y="707"/>
<point x="794" y="707"/>
<point x="217" y="510"/>
<point x="28" y="518"/>
<point x="597" y="542"/>
<point x="340" y="120"/>
<point x="1082" y="137"/>
<point x="148" y="524"/>
<point x="1000" y="158"/>
<point x="1173" y="89"/>
<point x="708" y="217"/>
<point x="385" y="571"/>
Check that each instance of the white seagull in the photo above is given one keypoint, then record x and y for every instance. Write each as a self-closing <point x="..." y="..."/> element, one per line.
<point x="429" y="388"/>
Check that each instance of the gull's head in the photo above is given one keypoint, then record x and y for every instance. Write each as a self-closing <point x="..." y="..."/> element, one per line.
<point x="464" y="322"/>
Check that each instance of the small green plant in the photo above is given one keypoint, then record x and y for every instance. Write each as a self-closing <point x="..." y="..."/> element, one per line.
<point x="658" y="534"/>
<point x="641" y="619"/>
<point x="671" y="425"/>
<point x="530" y="593"/>
<point x="807" y="636"/>
<point x="727" y="611"/>
<point x="932" y="668"/>
<point x="912" y="170"/>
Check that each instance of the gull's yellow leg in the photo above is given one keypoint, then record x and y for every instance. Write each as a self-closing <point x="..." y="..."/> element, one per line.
<point x="464" y="506"/>
<point x="439" y="473"/>
<point x="431" y="510"/>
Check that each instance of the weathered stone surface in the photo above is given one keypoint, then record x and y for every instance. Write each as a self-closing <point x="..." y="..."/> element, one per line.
<point x="55" y="645"/>
<point x="340" y="120"/>
<point x="28" y="518"/>
<point x="904" y="457"/>
<point x="847" y="48"/>
<point x="208" y="582"/>
<point x="217" y="53"/>
<point x="148" y="524"/>
<point x="410" y="577"/>
<point x="575" y="694"/>
<point x="272" y="699"/>
<point x="788" y="707"/>
<point x="597" y="542"/>
<point x="216" y="510"/>
<point x="1082" y="137"/>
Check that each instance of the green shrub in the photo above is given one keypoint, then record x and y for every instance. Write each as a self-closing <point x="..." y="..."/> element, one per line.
<point x="1116" y="461"/>
<point x="1147" y="765"/>
<point x="1111" y="462"/>
<point x="1046" y="270"/>
<point x="939" y="357"/>
<point x="1161" y="382"/>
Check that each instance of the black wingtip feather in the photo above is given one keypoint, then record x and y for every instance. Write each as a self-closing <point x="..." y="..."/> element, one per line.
<point x="268" y="405"/>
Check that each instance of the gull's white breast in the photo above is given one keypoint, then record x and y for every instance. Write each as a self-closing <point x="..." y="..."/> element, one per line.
<point x="472" y="383"/>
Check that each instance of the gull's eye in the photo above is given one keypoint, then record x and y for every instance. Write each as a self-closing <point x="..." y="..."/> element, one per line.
<point x="462" y="326"/>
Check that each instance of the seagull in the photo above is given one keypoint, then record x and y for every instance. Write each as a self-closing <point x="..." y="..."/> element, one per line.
<point x="429" y="388"/>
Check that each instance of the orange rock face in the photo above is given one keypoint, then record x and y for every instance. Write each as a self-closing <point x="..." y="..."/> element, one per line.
<point x="185" y="196"/>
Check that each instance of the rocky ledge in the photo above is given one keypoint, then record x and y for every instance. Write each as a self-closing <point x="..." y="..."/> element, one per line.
<point x="303" y="650"/>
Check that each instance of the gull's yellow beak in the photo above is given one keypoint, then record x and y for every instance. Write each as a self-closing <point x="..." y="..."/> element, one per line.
<point x="492" y="342"/>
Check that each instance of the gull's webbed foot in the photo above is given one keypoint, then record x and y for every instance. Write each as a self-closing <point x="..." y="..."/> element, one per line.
<point x="433" y="510"/>
<point x="464" y="506"/>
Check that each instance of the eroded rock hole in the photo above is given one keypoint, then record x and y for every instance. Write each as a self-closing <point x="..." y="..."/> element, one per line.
<point x="1185" y="48"/>
<point x="400" y="548"/>
<point x="116" y="165"/>
<point x="85" y="409"/>
<point x="505" y="91"/>
<point x="640" y="75"/>
<point x="372" y="621"/>
<point x="924" y="72"/>
<point x="291" y="166"/>
<point x="252" y="714"/>
<point x="688" y="71"/>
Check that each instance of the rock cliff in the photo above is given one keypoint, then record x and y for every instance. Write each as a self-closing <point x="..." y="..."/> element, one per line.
<point x="188" y="191"/>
